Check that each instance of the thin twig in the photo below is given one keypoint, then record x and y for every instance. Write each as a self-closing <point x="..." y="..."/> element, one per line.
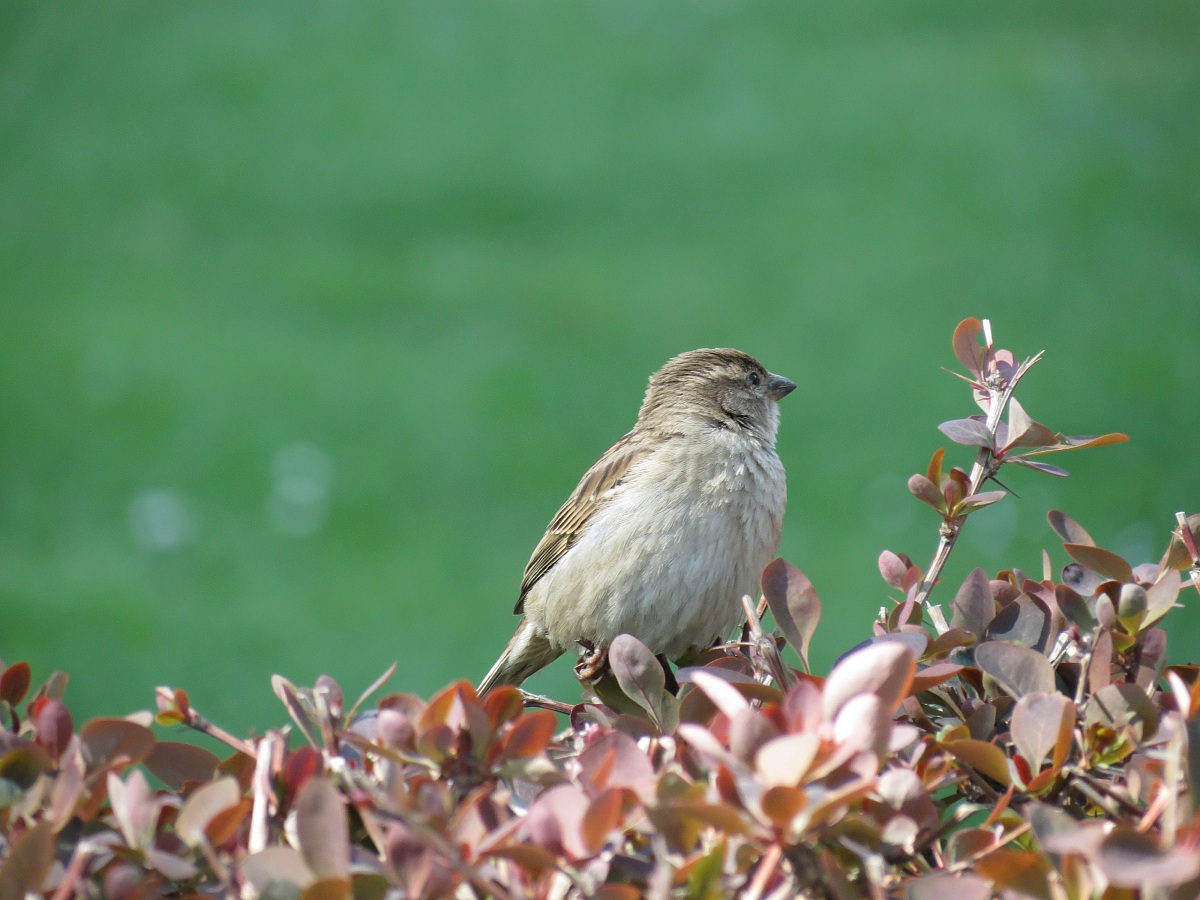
<point x="765" y="646"/>
<point x="766" y="868"/>
<point x="985" y="466"/>
<point x="541" y="702"/>
<point x="70" y="880"/>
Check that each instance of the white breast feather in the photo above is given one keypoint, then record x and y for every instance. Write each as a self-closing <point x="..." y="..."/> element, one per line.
<point x="671" y="554"/>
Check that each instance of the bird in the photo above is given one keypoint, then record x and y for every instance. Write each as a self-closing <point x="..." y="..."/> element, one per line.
<point x="667" y="530"/>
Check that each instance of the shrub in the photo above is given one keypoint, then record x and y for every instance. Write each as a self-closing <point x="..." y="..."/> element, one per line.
<point x="1036" y="744"/>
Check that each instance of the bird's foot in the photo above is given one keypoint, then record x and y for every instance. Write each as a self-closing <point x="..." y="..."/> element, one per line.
<point x="593" y="663"/>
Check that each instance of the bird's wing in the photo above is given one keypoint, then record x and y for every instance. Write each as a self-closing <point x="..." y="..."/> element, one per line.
<point x="593" y="491"/>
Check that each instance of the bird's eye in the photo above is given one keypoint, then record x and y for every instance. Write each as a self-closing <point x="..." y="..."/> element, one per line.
<point x="752" y="378"/>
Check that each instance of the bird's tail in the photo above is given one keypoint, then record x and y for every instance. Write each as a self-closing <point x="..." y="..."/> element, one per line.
<point x="528" y="651"/>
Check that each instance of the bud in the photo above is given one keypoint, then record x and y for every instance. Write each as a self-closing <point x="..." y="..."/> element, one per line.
<point x="1131" y="606"/>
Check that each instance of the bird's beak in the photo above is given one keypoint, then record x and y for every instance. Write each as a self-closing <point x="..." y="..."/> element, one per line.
<point x="779" y="387"/>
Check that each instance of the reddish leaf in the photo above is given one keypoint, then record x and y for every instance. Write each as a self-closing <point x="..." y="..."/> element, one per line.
<point x="616" y="760"/>
<point x="14" y="683"/>
<point x="786" y="759"/>
<point x="53" y="726"/>
<point x="174" y="762"/>
<point x="1121" y="705"/>
<point x="1105" y="562"/>
<point x="639" y="674"/>
<point x="947" y="643"/>
<point x="225" y="824"/>
<point x="723" y="694"/>
<point x="203" y="806"/>
<point x="24" y="868"/>
<point x="973" y="606"/>
<point x="1079" y="442"/>
<point x="892" y="568"/>
<point x="289" y="695"/>
<point x="503" y="704"/>
<point x="933" y="471"/>
<point x="1018" y="670"/>
<point x="604" y="814"/>
<point x="1023" y="871"/>
<point x="394" y="729"/>
<point x="978" y="501"/>
<point x="300" y="765"/>
<point x="781" y="804"/>
<point x="134" y="808"/>
<point x="1026" y="621"/>
<point x="863" y="723"/>
<point x="966" y="346"/>
<point x="972" y="432"/>
<point x="1068" y="529"/>
<point x="374" y="686"/>
<point x="885" y="669"/>
<point x="1161" y="596"/>
<point x="933" y="675"/>
<point x="530" y="735"/>
<point x="1134" y="860"/>
<point x="555" y="819"/>
<point x="926" y="491"/>
<point x="107" y="742"/>
<point x="322" y="829"/>
<point x="1042" y="725"/>
<point x="794" y="604"/>
<point x="1038" y="466"/>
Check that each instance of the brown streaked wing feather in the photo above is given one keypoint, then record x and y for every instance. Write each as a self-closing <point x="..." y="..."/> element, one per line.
<point x="589" y="496"/>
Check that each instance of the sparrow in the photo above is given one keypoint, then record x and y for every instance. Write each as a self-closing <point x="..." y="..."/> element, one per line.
<point x="667" y="530"/>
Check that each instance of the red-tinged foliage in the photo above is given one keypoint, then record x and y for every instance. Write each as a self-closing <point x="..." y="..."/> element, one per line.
<point x="1037" y="744"/>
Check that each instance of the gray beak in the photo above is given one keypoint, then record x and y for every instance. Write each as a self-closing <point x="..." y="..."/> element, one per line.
<point x="779" y="387"/>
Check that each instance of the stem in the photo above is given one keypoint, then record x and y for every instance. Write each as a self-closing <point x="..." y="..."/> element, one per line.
<point x="1185" y="535"/>
<point x="70" y="882"/>
<point x="766" y="868"/>
<point x="986" y="465"/>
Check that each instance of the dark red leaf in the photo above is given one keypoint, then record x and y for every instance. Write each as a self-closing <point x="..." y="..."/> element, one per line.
<point x="973" y="606"/>
<point x="301" y="765"/>
<point x="14" y="683"/>
<point x="54" y="726"/>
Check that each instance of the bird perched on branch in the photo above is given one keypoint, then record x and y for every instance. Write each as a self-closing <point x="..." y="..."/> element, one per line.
<point x="667" y="530"/>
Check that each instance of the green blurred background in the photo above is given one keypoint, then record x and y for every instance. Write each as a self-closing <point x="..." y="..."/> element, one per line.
<point x="313" y="313"/>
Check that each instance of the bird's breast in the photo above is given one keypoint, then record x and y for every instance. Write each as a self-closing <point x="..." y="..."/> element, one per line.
<point x="668" y="558"/>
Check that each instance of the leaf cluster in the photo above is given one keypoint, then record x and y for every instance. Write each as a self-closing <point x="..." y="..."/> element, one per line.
<point x="1036" y="744"/>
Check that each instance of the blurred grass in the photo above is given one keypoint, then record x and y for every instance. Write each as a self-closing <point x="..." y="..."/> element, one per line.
<point x="445" y="243"/>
